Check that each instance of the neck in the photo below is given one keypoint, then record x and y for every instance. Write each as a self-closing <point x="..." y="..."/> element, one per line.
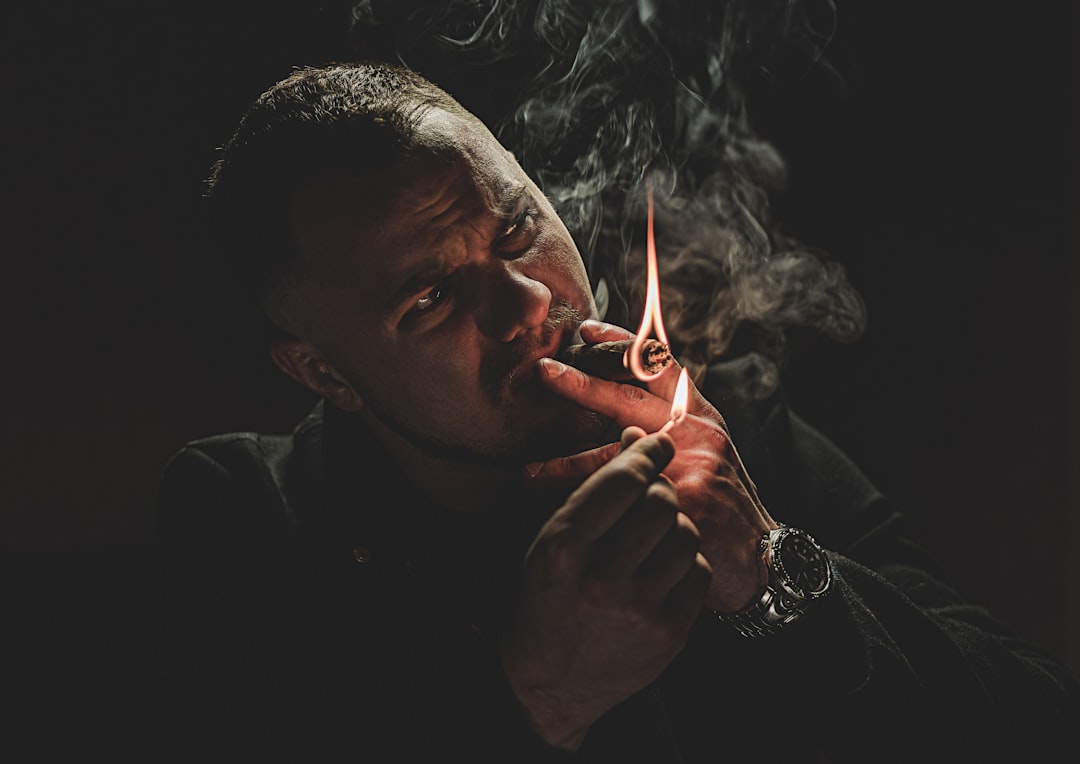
<point x="459" y="485"/>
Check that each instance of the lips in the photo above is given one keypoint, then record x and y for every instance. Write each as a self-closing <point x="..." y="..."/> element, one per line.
<point x="526" y="371"/>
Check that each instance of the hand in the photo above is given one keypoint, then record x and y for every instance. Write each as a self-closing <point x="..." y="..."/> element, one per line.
<point x="611" y="586"/>
<point x="713" y="486"/>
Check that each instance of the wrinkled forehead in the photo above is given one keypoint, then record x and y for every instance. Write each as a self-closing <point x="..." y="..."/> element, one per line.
<point x="461" y="142"/>
<point x="447" y="153"/>
<point x="454" y="172"/>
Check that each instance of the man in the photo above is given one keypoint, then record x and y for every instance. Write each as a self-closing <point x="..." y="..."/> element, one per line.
<point x="472" y="550"/>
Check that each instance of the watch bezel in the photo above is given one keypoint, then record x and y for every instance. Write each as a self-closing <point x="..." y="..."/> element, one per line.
<point x="783" y="579"/>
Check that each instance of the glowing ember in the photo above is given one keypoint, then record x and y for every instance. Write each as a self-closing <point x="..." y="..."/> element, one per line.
<point x="652" y="321"/>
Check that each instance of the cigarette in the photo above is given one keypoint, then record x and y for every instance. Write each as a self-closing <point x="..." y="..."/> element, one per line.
<point x="605" y="359"/>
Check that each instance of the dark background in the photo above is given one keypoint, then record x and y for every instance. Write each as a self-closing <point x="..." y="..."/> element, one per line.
<point x="943" y="176"/>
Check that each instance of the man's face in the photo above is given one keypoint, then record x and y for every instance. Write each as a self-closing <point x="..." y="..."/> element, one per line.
<point x="434" y="297"/>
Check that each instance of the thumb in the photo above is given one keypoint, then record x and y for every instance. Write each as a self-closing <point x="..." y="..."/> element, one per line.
<point x="629" y="435"/>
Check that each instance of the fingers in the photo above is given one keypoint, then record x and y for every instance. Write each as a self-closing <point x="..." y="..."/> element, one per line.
<point x="570" y="470"/>
<point x="631" y="434"/>
<point x="686" y="599"/>
<point x="655" y="544"/>
<point x="625" y="405"/>
<point x="657" y="547"/>
<point x="597" y="331"/>
<point x="662" y="385"/>
<point x="646" y="524"/>
<point x="652" y="551"/>
<point x="605" y="496"/>
<point x="672" y="557"/>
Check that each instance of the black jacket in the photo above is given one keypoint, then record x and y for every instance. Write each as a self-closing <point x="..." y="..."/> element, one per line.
<point x="317" y="610"/>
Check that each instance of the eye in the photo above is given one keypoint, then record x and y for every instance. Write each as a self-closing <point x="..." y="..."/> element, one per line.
<point x="520" y="231"/>
<point x="429" y="299"/>
<point x="438" y="295"/>
<point x="517" y="223"/>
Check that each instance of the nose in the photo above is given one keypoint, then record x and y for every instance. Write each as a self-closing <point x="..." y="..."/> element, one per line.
<point x="515" y="302"/>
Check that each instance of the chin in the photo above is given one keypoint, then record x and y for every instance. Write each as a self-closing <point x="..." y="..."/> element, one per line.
<point x="574" y="430"/>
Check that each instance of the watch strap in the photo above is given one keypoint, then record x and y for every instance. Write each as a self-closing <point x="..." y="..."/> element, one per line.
<point x="767" y="615"/>
<point x="776" y="608"/>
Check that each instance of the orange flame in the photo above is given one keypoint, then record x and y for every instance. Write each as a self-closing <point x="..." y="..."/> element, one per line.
<point x="682" y="393"/>
<point x="652" y="321"/>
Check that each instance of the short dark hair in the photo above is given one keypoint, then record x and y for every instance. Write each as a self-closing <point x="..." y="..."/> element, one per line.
<point x="337" y="120"/>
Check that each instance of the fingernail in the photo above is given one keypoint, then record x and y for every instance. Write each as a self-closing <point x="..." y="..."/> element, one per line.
<point x="593" y="324"/>
<point x="533" y="468"/>
<point x="552" y="368"/>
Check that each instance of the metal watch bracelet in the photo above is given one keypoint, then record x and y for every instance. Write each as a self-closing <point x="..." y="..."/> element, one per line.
<point x="779" y="607"/>
<point x="769" y="614"/>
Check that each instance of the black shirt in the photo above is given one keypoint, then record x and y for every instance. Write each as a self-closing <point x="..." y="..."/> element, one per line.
<point x="318" y="610"/>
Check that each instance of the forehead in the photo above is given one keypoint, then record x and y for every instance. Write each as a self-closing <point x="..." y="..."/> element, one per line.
<point x="368" y="234"/>
<point x="455" y="161"/>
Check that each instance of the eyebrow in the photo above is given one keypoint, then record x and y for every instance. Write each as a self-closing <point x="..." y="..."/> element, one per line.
<point x="433" y="269"/>
<point x="509" y="196"/>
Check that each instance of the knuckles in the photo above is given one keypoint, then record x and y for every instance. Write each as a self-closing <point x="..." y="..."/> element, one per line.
<point x="639" y="466"/>
<point x="686" y="529"/>
<point x="713" y="437"/>
<point x="606" y="592"/>
<point x="555" y="550"/>
<point x="662" y="496"/>
<point x="694" y="484"/>
<point x="631" y="394"/>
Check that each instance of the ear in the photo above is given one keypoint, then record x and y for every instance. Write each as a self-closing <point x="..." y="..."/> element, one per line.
<point x="303" y="362"/>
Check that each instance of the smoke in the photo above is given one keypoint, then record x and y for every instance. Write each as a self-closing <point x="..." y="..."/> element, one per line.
<point x="592" y="94"/>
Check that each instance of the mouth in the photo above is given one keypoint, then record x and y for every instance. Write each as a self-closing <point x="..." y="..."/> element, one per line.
<point x="525" y="373"/>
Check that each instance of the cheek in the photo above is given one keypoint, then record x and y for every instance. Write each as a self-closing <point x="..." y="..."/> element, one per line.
<point x="448" y="368"/>
<point x="560" y="261"/>
<point x="440" y="376"/>
<point x="444" y="398"/>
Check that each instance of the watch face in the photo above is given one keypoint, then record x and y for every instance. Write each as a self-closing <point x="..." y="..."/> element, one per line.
<point x="802" y="564"/>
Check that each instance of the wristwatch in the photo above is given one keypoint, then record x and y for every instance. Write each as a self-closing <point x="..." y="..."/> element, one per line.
<point x="799" y="574"/>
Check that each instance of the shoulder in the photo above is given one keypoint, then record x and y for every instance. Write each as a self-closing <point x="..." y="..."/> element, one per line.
<point x="243" y="479"/>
